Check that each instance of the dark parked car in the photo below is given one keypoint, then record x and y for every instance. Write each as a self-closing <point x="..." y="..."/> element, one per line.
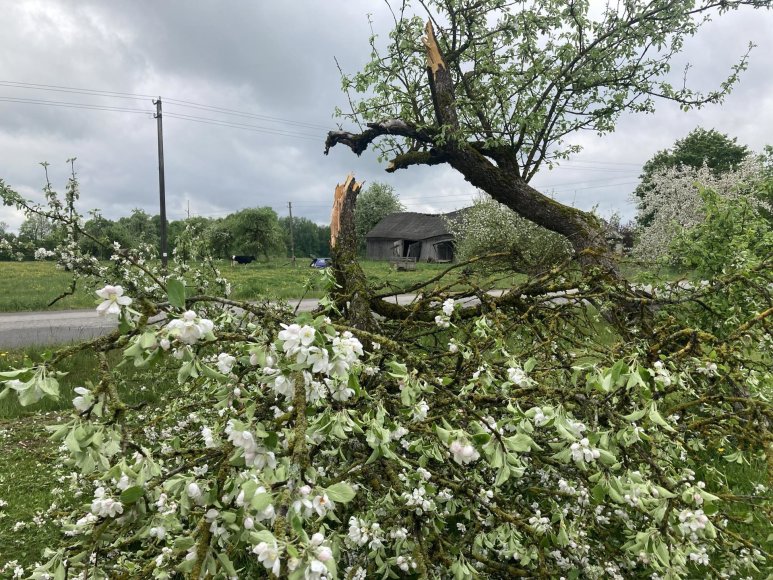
<point x="321" y="262"/>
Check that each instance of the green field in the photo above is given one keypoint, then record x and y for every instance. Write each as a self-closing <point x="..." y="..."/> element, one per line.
<point x="26" y="286"/>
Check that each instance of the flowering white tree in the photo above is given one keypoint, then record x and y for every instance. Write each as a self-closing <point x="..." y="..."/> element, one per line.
<point x="522" y="437"/>
<point x="489" y="227"/>
<point x="675" y="201"/>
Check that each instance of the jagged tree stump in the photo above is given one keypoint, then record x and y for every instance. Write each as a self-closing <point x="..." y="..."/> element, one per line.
<point x="351" y="297"/>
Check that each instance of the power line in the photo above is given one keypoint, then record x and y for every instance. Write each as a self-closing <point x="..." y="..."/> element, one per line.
<point x="255" y="128"/>
<point x="601" y="162"/>
<point x="71" y="105"/>
<point x="60" y="89"/>
<point x="243" y="114"/>
<point x="94" y="107"/>
<point x="140" y="96"/>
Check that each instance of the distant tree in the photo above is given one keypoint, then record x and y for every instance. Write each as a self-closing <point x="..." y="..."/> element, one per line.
<point x="7" y="242"/>
<point x="373" y="204"/>
<point x="176" y="229"/>
<point x="189" y="237"/>
<point x="256" y="231"/>
<point x="677" y="202"/>
<point x="220" y="237"/>
<point x="311" y="239"/>
<point x="141" y="228"/>
<point x="107" y="232"/>
<point x="624" y="231"/>
<point x="37" y="231"/>
<point x="701" y="146"/>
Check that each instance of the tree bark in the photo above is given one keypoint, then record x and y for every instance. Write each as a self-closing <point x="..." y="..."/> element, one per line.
<point x="351" y="296"/>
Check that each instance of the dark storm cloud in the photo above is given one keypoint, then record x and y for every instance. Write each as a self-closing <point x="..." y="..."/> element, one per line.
<point x="275" y="59"/>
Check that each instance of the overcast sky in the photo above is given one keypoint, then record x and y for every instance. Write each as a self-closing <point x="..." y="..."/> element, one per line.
<point x="275" y="61"/>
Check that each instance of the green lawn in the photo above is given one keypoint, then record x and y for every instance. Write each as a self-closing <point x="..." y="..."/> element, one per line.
<point x="28" y="286"/>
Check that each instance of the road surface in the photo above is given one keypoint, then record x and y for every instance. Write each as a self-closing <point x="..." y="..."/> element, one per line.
<point x="23" y="329"/>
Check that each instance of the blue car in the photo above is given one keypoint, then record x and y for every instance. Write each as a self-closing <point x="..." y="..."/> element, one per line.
<point x="321" y="262"/>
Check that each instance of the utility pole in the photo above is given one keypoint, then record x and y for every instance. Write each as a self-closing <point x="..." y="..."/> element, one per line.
<point x="161" y="184"/>
<point x="292" y="236"/>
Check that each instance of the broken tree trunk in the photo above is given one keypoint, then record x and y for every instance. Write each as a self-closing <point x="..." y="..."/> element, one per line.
<point x="494" y="170"/>
<point x="351" y="296"/>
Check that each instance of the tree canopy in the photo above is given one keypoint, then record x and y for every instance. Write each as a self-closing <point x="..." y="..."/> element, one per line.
<point x="377" y="201"/>
<point x="699" y="147"/>
<point x="496" y="89"/>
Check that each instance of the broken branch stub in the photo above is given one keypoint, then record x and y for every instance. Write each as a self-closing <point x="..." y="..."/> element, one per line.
<point x="352" y="296"/>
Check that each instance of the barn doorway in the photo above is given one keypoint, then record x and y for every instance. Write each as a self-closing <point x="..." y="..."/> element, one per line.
<point x="444" y="251"/>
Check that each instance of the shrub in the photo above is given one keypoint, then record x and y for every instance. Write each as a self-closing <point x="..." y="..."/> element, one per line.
<point x="490" y="227"/>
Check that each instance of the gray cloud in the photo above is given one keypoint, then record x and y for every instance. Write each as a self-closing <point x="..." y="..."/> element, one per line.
<point x="276" y="59"/>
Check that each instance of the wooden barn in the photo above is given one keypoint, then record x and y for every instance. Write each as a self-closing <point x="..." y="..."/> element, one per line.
<point x="422" y="236"/>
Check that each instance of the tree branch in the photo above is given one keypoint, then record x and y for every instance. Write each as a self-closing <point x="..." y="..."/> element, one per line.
<point x="359" y="142"/>
<point x="405" y="160"/>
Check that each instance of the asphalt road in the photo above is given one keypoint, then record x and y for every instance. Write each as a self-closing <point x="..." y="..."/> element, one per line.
<point x="23" y="329"/>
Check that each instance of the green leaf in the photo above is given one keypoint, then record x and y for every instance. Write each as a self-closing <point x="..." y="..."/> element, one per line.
<point x="340" y="492"/>
<point x="227" y="564"/>
<point x="176" y="293"/>
<point x="50" y="386"/>
<point x="503" y="475"/>
<point x="661" y="551"/>
<point x="211" y="373"/>
<point x="261" y="501"/>
<point x="13" y="374"/>
<point x="656" y="418"/>
<point x="72" y="442"/>
<point x="262" y="536"/>
<point x="131" y="494"/>
<point x="635" y="416"/>
<point x="481" y="438"/>
<point x="520" y="443"/>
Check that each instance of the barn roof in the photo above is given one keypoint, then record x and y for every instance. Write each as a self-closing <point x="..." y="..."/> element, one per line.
<point x="412" y="226"/>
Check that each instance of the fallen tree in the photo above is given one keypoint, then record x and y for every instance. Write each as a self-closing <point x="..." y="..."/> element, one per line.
<point x="518" y="438"/>
<point x="496" y="90"/>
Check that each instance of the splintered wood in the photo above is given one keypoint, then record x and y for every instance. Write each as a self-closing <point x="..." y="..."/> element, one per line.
<point x="434" y="58"/>
<point x="343" y="191"/>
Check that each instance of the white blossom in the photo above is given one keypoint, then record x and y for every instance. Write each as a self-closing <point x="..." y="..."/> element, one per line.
<point x="463" y="452"/>
<point x="113" y="300"/>
<point x="84" y="400"/>
<point x="190" y="328"/>
<point x="225" y="362"/>
<point x="582" y="451"/>
<point x="269" y="556"/>
<point x="104" y="506"/>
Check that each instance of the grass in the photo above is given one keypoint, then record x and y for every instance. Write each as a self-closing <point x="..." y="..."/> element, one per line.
<point x="28" y="473"/>
<point x="29" y="286"/>
<point x="30" y="463"/>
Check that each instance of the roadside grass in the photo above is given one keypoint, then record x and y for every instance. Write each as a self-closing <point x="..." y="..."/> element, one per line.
<point x="27" y="286"/>
<point x="134" y="385"/>
<point x="31" y="467"/>
<point x="32" y="285"/>
<point x="29" y="471"/>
